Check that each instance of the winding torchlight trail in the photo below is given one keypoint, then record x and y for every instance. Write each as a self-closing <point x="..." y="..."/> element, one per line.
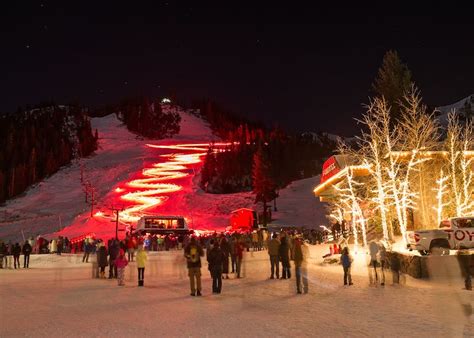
<point x="150" y="189"/>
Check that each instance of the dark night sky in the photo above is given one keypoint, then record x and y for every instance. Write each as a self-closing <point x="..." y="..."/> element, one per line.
<point x="304" y="77"/>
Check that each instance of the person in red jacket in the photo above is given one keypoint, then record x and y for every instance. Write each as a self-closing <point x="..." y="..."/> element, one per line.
<point x="131" y="245"/>
<point x="121" y="262"/>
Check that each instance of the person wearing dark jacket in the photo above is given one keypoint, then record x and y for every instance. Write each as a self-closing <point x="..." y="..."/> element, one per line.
<point x="465" y="260"/>
<point x="225" y="247"/>
<point x="16" y="252"/>
<point x="102" y="259"/>
<point x="114" y="249"/>
<point x="26" y="250"/>
<point x="274" y="252"/>
<point x="233" y="258"/>
<point x="300" y="257"/>
<point x="193" y="253"/>
<point x="3" y="254"/>
<point x="87" y="250"/>
<point x="346" y="262"/>
<point x="215" y="258"/>
<point x="285" y="258"/>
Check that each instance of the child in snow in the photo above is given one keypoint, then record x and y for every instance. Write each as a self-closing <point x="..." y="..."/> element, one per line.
<point x="346" y="261"/>
<point x="121" y="262"/>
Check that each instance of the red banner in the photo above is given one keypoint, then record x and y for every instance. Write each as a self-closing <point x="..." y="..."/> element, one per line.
<point x="330" y="168"/>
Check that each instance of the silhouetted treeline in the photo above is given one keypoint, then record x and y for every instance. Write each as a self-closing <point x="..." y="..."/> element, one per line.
<point x="36" y="142"/>
<point x="145" y="117"/>
<point x="223" y="122"/>
<point x="291" y="156"/>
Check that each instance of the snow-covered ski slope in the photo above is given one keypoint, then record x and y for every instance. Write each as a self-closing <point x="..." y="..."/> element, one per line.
<point x="58" y="203"/>
<point x="458" y="107"/>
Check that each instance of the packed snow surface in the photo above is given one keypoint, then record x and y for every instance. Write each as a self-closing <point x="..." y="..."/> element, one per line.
<point x="57" y="296"/>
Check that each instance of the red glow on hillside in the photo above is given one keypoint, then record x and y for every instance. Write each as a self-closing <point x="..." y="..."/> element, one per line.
<point x="157" y="182"/>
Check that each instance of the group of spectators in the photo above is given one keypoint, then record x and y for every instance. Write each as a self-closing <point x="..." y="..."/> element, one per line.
<point x="284" y="247"/>
<point x="10" y="250"/>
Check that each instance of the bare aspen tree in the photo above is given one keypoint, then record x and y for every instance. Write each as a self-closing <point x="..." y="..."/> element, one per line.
<point x="459" y="142"/>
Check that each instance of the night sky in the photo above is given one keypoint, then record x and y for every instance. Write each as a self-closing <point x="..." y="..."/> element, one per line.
<point x="311" y="76"/>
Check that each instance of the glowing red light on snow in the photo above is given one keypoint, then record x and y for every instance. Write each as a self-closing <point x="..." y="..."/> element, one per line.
<point x="154" y="187"/>
<point x="99" y="214"/>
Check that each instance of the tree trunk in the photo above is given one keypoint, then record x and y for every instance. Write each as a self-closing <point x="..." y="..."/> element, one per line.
<point x="265" y="213"/>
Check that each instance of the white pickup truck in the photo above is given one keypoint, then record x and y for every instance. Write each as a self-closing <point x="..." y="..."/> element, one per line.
<point x="452" y="234"/>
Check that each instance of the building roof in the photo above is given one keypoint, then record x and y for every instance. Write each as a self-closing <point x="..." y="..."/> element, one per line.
<point x="326" y="189"/>
<point x="242" y="209"/>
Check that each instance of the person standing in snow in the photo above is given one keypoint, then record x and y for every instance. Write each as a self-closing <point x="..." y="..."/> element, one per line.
<point x="233" y="259"/>
<point x="300" y="256"/>
<point x="3" y="254"/>
<point x="465" y="260"/>
<point x="59" y="245"/>
<point x="225" y="247"/>
<point x="346" y="262"/>
<point x="215" y="258"/>
<point x="239" y="255"/>
<point x="193" y="253"/>
<point x="373" y="250"/>
<point x="121" y="262"/>
<point x="26" y="250"/>
<point x="284" y="258"/>
<point x="383" y="261"/>
<point x="114" y="250"/>
<point x="53" y="246"/>
<point x="131" y="244"/>
<point x="8" y="254"/>
<point x="87" y="251"/>
<point x="141" y="261"/>
<point x="102" y="259"/>
<point x="16" y="252"/>
<point x="254" y="240"/>
<point x="273" y="252"/>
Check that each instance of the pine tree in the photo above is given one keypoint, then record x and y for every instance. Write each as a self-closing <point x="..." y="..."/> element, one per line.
<point x="263" y="185"/>
<point x="208" y="170"/>
<point x="392" y="82"/>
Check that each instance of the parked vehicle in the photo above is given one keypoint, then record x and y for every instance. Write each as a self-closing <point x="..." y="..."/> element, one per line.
<point x="161" y="224"/>
<point x="453" y="234"/>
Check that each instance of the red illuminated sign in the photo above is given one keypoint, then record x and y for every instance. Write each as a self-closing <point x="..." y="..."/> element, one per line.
<point x="330" y="168"/>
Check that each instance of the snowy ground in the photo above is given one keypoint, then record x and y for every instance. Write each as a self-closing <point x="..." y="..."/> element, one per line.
<point x="297" y="205"/>
<point x="58" y="297"/>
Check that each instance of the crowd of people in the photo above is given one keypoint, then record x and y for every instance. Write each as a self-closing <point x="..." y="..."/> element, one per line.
<point x="10" y="250"/>
<point x="224" y="254"/>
